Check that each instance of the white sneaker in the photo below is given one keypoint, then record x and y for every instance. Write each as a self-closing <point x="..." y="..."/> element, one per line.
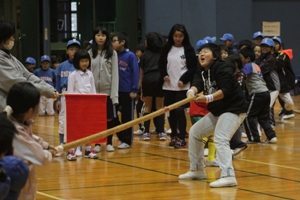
<point x="123" y="145"/>
<point x="224" y="182"/>
<point x="78" y="152"/>
<point x="289" y="116"/>
<point x="244" y="135"/>
<point x="237" y="151"/>
<point x="169" y="131"/>
<point x="163" y="136"/>
<point x="109" y="148"/>
<point x="273" y="140"/>
<point x="193" y="175"/>
<point x="138" y="132"/>
<point x="205" y="152"/>
<point x="90" y="154"/>
<point x="59" y="154"/>
<point x="212" y="163"/>
<point x="281" y="118"/>
<point x="145" y="137"/>
<point x="71" y="156"/>
<point x="97" y="148"/>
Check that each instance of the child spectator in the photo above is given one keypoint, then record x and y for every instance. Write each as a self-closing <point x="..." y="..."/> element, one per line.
<point x="48" y="75"/>
<point x="81" y="81"/>
<point x="259" y="105"/>
<point x="177" y="64"/>
<point x="104" y="66"/>
<point x="228" y="42"/>
<point x="30" y="64"/>
<point x="128" y="85"/>
<point x="216" y="85"/>
<point x="257" y="51"/>
<point x="149" y="83"/>
<point x="55" y="63"/>
<point x="62" y="73"/>
<point x="27" y="146"/>
<point x="224" y="52"/>
<point x="16" y="170"/>
<point x="257" y="37"/>
<point x="245" y="43"/>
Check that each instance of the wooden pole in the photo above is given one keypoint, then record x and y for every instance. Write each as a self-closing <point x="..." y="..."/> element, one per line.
<point x="121" y="127"/>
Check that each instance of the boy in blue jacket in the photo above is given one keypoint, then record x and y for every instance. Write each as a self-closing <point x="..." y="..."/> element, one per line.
<point x="128" y="85"/>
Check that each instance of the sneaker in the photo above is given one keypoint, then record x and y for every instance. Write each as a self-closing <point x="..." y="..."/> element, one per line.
<point x="59" y="154"/>
<point x="224" y="182"/>
<point x="78" y="152"/>
<point x="173" y="141"/>
<point x="180" y="144"/>
<point x="281" y="118"/>
<point x="138" y="132"/>
<point x="97" y="148"/>
<point x="163" y="136"/>
<point x="110" y="148"/>
<point x="193" y="175"/>
<point x="237" y="151"/>
<point x="273" y="140"/>
<point x="145" y="137"/>
<point x="169" y="131"/>
<point x="205" y="152"/>
<point x="288" y="116"/>
<point x="71" y="156"/>
<point x="153" y="131"/>
<point x="212" y="163"/>
<point x="123" y="145"/>
<point x="244" y="135"/>
<point x="90" y="154"/>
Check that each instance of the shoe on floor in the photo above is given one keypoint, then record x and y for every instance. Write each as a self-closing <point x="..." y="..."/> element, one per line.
<point x="173" y="141"/>
<point x="244" y="135"/>
<point x="97" y="148"/>
<point x="123" y="145"/>
<point x="138" y="132"/>
<point x="169" y="131"/>
<point x="193" y="175"/>
<point x="162" y="136"/>
<point x="281" y="118"/>
<point x="273" y="140"/>
<point x="288" y="116"/>
<point x="145" y="137"/>
<point x="78" y="152"/>
<point x="180" y="144"/>
<point x="90" y="154"/>
<point x="71" y="156"/>
<point x="153" y="131"/>
<point x="237" y="151"/>
<point x="110" y="148"/>
<point x="224" y="182"/>
<point x="212" y="163"/>
<point x="59" y="154"/>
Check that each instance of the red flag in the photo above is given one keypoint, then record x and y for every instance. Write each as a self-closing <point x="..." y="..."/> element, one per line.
<point x="85" y="115"/>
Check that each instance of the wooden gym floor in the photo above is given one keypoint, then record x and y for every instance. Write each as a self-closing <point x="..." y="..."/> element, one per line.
<point x="149" y="170"/>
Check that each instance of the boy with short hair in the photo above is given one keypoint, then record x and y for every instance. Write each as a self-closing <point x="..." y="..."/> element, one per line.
<point x="30" y="64"/>
<point x="128" y="85"/>
<point x="228" y="42"/>
<point x="62" y="73"/>
<point x="257" y="37"/>
<point x="48" y="75"/>
<point x="259" y="105"/>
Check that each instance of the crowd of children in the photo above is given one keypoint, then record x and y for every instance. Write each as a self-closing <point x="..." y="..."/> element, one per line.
<point x="234" y="86"/>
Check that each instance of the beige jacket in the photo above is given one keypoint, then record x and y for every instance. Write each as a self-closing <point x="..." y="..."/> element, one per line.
<point x="31" y="149"/>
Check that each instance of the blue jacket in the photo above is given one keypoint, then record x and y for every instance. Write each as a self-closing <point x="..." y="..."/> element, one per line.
<point x="48" y="75"/>
<point x="17" y="170"/>
<point x="129" y="73"/>
<point x="62" y="73"/>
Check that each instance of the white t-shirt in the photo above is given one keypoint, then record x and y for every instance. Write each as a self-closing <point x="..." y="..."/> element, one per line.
<point x="175" y="68"/>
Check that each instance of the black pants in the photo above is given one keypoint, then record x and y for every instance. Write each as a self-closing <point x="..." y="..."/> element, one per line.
<point x="259" y="106"/>
<point x="126" y="104"/>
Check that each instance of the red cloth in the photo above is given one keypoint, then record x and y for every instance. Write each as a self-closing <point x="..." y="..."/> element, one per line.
<point x="198" y="109"/>
<point x="85" y="115"/>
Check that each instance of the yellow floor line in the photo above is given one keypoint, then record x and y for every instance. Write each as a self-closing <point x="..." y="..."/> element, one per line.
<point x="47" y="195"/>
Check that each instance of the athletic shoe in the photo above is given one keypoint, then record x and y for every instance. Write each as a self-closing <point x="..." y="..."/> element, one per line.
<point x="205" y="152"/>
<point x="138" y="132"/>
<point x="281" y="118"/>
<point x="90" y="154"/>
<point x="212" y="163"/>
<point x="59" y="154"/>
<point x="273" y="140"/>
<point x="110" y="148"/>
<point x="237" y="151"/>
<point x="71" y="156"/>
<point x="173" y="141"/>
<point x="288" y="116"/>
<point x="153" y="131"/>
<point x="193" y="175"/>
<point x="224" y="182"/>
<point x="145" y="137"/>
<point x="180" y="144"/>
<point x="244" y="135"/>
<point x="163" y="136"/>
<point x="123" y="145"/>
<point x="78" y="152"/>
<point x="169" y="131"/>
<point x="97" y="148"/>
